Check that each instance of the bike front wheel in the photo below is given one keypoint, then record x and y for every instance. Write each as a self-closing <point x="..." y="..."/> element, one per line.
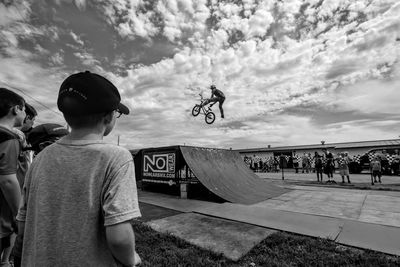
<point x="196" y="110"/>
<point x="210" y="117"/>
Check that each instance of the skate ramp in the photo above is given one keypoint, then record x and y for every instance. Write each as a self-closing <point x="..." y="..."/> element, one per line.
<point x="224" y="173"/>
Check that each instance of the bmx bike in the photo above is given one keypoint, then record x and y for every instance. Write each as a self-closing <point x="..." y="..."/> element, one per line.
<point x="206" y="110"/>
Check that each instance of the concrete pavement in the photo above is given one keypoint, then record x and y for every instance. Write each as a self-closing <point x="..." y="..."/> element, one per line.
<point x="361" y="218"/>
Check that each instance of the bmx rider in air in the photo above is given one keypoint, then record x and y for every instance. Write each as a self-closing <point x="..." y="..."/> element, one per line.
<point x="216" y="96"/>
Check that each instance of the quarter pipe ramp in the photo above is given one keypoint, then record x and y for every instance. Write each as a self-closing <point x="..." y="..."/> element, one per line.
<point x="224" y="173"/>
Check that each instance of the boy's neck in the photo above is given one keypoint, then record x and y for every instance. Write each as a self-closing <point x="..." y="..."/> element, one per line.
<point x="86" y="134"/>
<point x="7" y="122"/>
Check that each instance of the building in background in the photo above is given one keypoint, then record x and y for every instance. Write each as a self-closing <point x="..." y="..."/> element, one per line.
<point x="359" y="152"/>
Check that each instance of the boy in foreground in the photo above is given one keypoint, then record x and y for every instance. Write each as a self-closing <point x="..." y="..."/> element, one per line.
<point x="80" y="192"/>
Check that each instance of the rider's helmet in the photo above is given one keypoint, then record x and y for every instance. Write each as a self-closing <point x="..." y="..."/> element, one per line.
<point x="213" y="86"/>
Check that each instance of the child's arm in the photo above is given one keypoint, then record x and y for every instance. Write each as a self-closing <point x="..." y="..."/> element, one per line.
<point x="121" y="240"/>
<point x="12" y="193"/>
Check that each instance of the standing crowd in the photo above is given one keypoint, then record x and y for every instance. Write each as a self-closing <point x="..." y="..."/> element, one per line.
<point x="327" y="163"/>
<point x="67" y="198"/>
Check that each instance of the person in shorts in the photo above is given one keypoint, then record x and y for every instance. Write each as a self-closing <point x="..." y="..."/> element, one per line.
<point x="376" y="170"/>
<point x="343" y="162"/>
<point x="80" y="193"/>
<point x="12" y="114"/>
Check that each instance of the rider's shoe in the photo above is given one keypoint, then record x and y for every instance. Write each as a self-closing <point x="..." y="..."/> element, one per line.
<point x="222" y="116"/>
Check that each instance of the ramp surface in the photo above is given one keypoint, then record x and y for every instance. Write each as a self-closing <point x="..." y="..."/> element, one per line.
<point x="224" y="173"/>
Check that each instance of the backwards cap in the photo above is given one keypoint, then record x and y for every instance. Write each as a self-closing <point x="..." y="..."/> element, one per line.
<point x="87" y="93"/>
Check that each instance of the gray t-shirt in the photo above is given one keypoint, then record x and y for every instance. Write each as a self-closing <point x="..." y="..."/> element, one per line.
<point x="72" y="191"/>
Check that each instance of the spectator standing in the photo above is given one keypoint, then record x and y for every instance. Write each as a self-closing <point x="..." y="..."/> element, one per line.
<point x="304" y="162"/>
<point x="255" y="159"/>
<point x="328" y="165"/>
<point x="396" y="162"/>
<point x="261" y="165"/>
<point x="385" y="163"/>
<point x="312" y="162"/>
<point x="343" y="162"/>
<point x="12" y="114"/>
<point x="309" y="162"/>
<point x="364" y="161"/>
<point x="271" y="162"/>
<point x="376" y="170"/>
<point x="318" y="165"/>
<point x="75" y="214"/>
<point x="276" y="164"/>
<point x="295" y="162"/>
<point x="246" y="161"/>
<point x="253" y="163"/>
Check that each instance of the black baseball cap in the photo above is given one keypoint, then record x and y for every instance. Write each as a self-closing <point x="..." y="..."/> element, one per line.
<point x="87" y="93"/>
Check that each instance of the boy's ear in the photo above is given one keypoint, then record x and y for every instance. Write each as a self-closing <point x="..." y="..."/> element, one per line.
<point x="108" y="117"/>
<point x="14" y="110"/>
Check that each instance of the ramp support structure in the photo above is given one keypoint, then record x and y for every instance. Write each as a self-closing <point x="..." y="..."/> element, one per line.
<point x="184" y="189"/>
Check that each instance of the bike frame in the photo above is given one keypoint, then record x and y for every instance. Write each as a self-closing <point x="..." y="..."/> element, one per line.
<point x="203" y="110"/>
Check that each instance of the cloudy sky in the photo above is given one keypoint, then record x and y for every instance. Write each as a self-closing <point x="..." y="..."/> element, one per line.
<point x="293" y="72"/>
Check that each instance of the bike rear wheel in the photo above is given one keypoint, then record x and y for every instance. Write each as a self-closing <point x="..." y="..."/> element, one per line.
<point x="196" y="110"/>
<point x="210" y="117"/>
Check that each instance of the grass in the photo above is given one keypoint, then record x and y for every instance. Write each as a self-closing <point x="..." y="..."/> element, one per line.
<point x="279" y="249"/>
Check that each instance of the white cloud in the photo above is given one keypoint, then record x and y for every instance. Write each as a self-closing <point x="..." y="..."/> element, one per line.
<point x="80" y="4"/>
<point x="182" y="17"/>
<point x="57" y="58"/>
<point x="36" y="83"/>
<point x="10" y="13"/>
<point x="77" y="39"/>
<point x="370" y="97"/>
<point x="41" y="50"/>
<point x="88" y="60"/>
<point x="128" y="19"/>
<point x="259" y="23"/>
<point x="10" y="38"/>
